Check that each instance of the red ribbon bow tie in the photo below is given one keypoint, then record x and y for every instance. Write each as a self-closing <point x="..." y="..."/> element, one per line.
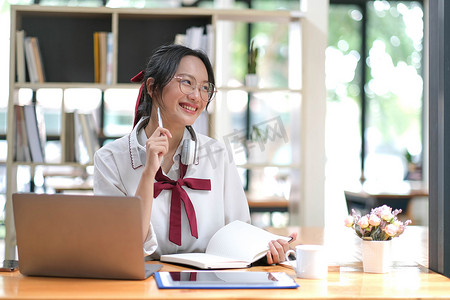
<point x="178" y="193"/>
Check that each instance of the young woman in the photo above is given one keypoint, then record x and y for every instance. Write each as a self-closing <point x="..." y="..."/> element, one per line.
<point x="163" y="162"/>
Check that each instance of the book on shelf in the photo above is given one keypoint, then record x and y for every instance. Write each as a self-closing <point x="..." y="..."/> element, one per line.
<point x="81" y="137"/>
<point x="103" y="56"/>
<point x="109" y="57"/>
<point x="68" y="154"/>
<point x="34" y="61"/>
<point x="80" y="147"/>
<point x="90" y="134"/>
<point x="21" y="149"/>
<point x="20" y="56"/>
<point x="38" y="58"/>
<point x="209" y="42"/>
<point x="30" y="61"/>
<point x="35" y="131"/>
<point x="88" y="137"/>
<point x="236" y="245"/>
<point x="198" y="38"/>
<point x="96" y="58"/>
<point x="102" y="53"/>
<point x="194" y="37"/>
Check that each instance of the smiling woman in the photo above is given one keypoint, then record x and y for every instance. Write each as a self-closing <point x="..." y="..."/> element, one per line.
<point x="177" y="86"/>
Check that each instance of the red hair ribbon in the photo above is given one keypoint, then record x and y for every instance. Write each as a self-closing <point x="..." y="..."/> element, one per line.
<point x="138" y="78"/>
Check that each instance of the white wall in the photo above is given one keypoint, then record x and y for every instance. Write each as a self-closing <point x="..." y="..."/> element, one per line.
<point x="308" y="204"/>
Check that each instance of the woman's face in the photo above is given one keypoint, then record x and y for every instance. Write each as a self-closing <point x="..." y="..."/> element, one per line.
<point x="179" y="109"/>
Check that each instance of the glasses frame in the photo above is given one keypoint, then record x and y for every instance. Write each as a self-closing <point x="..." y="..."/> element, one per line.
<point x="194" y="86"/>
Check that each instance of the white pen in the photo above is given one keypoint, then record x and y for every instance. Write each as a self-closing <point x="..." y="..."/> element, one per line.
<point x="160" y="124"/>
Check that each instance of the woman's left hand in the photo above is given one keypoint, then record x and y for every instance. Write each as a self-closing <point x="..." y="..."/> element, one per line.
<point x="277" y="250"/>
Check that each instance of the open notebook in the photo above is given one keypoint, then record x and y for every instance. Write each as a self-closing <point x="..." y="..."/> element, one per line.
<point x="80" y="236"/>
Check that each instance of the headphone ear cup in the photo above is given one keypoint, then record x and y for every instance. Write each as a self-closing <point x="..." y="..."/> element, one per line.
<point x="188" y="152"/>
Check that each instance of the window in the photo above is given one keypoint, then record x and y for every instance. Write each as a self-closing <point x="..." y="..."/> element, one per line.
<point x="375" y="90"/>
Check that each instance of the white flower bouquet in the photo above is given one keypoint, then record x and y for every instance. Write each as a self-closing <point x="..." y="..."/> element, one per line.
<point x="380" y="225"/>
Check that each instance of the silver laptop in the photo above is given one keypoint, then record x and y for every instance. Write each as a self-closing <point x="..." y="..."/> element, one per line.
<point x="80" y="236"/>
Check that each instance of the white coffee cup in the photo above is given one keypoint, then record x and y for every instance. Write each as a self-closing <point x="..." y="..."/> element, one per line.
<point x="311" y="261"/>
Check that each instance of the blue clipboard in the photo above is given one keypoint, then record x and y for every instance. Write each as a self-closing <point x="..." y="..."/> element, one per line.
<point x="224" y="280"/>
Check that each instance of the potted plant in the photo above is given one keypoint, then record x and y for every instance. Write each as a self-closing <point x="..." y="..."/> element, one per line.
<point x="376" y="230"/>
<point x="251" y="79"/>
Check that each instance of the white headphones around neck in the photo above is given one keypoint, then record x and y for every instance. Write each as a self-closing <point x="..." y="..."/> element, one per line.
<point x="189" y="149"/>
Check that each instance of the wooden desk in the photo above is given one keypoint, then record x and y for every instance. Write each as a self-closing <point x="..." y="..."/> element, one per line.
<point x="407" y="280"/>
<point x="268" y="206"/>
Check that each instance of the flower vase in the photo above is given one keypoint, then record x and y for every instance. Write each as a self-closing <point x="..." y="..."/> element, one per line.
<point x="251" y="80"/>
<point x="376" y="256"/>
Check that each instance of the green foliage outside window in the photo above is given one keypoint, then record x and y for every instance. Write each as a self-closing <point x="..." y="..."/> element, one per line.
<point x="393" y="86"/>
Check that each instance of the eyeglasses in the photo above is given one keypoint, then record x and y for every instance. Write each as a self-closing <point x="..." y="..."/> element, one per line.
<point x="188" y="84"/>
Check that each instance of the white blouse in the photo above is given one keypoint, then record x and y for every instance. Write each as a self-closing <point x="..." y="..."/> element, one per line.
<point x="118" y="169"/>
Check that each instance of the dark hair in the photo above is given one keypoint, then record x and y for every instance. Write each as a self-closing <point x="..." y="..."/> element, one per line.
<point x="162" y="66"/>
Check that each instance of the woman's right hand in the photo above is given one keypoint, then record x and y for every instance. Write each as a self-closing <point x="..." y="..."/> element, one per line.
<point x="157" y="146"/>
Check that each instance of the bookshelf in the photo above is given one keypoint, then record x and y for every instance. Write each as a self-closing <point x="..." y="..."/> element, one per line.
<point x="66" y="43"/>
